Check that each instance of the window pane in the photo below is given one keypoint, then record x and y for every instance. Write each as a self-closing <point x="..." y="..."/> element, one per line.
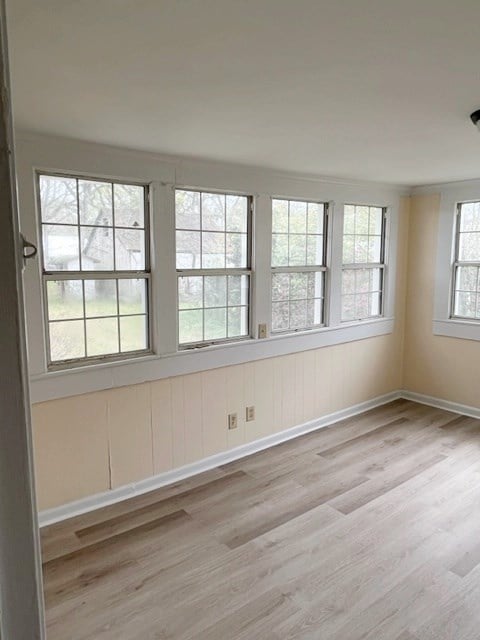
<point x="215" y="324"/>
<point x="362" y="281"/>
<point x="361" y="249"/>
<point x="348" y="307"/>
<point x="280" y="286"/>
<point x="297" y="250"/>
<point x="374" y="249"/>
<point x="190" y="326"/>
<point x="361" y="293"/>
<point x="348" y="281"/>
<point x="349" y="220"/>
<point x="190" y="292"/>
<point x="467" y="279"/>
<point x="280" y="316"/>
<point x="469" y="247"/>
<point x="237" y="322"/>
<point x="298" y="217"/>
<point x="95" y="202"/>
<point x="237" y="213"/>
<point x="129" y="202"/>
<point x="133" y="333"/>
<point x="280" y="216"/>
<point x="97" y="248"/>
<point x="102" y="336"/>
<point x="132" y="296"/>
<point x="238" y="287"/>
<point x="315" y="217"/>
<point x="187" y="209"/>
<point x="376" y="219"/>
<point x="213" y="212"/>
<point x="348" y="249"/>
<point x="280" y="250"/>
<point x="67" y="340"/>
<point x="375" y="304"/>
<point x="188" y="250"/>
<point x="298" y="285"/>
<point x="298" y="314"/>
<point x="470" y="216"/>
<point x="130" y="249"/>
<point x="314" y="250"/>
<point x="100" y="298"/>
<point x="465" y="304"/>
<point x="58" y="199"/>
<point x="60" y="248"/>
<point x="315" y="285"/>
<point x="362" y="222"/>
<point x="213" y="250"/>
<point x="236" y="250"/>
<point x="215" y="291"/>
<point x="65" y="299"/>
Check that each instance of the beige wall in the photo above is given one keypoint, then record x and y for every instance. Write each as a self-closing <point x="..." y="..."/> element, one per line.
<point x="437" y="366"/>
<point x="92" y="443"/>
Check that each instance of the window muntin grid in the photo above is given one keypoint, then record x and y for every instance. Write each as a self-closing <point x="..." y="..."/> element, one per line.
<point x="95" y="268"/>
<point x="213" y="257"/>
<point x="363" y="267"/>
<point x="466" y="268"/>
<point x="299" y="231"/>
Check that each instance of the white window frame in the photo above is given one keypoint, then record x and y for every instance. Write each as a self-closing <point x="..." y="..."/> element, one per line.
<point x="324" y="268"/>
<point x="444" y="323"/>
<point x="227" y="271"/>
<point x="163" y="175"/>
<point x="85" y="275"/>
<point x="382" y="265"/>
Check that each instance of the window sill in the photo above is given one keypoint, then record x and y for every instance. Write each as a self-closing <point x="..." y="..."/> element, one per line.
<point x="462" y="329"/>
<point x="98" y="377"/>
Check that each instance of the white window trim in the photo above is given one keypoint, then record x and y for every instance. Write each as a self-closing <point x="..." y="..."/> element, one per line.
<point x="443" y="324"/>
<point x="38" y="153"/>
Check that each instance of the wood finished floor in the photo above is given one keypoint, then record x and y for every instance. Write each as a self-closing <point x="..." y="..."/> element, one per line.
<point x="367" y="530"/>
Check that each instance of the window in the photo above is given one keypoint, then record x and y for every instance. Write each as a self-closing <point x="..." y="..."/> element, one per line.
<point x="466" y="275"/>
<point x="363" y="262"/>
<point x="299" y="232"/>
<point x="95" y="268"/>
<point x="213" y="249"/>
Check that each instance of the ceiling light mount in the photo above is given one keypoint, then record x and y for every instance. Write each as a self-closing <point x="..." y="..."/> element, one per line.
<point x="475" y="118"/>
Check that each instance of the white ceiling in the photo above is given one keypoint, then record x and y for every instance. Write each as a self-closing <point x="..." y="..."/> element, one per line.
<point x="365" y="89"/>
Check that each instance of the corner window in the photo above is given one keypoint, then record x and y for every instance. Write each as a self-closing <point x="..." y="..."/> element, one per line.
<point x="363" y="269"/>
<point x="299" y="266"/>
<point x="213" y="256"/>
<point x="95" y="268"/>
<point x="466" y="268"/>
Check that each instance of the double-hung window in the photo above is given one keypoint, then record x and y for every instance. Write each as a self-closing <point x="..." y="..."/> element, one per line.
<point x="363" y="270"/>
<point x="213" y="256"/>
<point x="95" y="268"/>
<point x="299" y="264"/>
<point x="466" y="268"/>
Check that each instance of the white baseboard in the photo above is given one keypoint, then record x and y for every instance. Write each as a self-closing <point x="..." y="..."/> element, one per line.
<point x="57" y="514"/>
<point x="454" y="407"/>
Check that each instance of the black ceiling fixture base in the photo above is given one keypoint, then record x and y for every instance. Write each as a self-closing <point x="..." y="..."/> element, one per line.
<point x="475" y="117"/>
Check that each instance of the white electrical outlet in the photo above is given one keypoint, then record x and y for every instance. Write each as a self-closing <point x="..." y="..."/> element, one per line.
<point x="232" y="421"/>
<point x="250" y="414"/>
<point x="262" y="330"/>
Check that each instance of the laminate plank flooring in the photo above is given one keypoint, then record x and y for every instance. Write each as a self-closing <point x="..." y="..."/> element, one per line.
<point x="365" y="530"/>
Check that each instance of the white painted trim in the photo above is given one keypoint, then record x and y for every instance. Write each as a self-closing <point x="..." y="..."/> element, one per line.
<point x="91" y="503"/>
<point x="439" y="403"/>
<point x="87" y="379"/>
<point x="461" y="329"/>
